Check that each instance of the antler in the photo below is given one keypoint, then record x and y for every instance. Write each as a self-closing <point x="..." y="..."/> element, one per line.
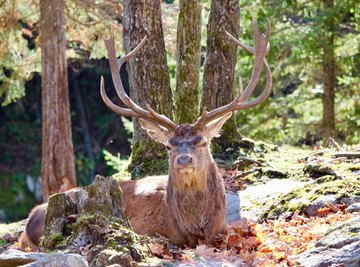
<point x="261" y="48"/>
<point x="132" y="110"/>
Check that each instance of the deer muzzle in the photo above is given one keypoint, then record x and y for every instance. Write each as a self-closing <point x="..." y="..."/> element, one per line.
<point x="185" y="164"/>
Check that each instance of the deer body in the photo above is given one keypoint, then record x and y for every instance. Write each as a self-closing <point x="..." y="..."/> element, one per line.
<point x="149" y="213"/>
<point x="189" y="204"/>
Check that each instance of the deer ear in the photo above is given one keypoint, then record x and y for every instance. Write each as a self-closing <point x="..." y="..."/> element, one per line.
<point x="213" y="128"/>
<point x="156" y="133"/>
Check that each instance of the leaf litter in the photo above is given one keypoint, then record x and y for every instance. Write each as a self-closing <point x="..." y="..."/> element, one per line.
<point x="271" y="243"/>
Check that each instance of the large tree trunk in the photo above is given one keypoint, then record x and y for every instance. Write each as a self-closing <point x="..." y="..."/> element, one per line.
<point x="218" y="82"/>
<point x="149" y="80"/>
<point x="57" y="166"/>
<point x="329" y="76"/>
<point x="188" y="61"/>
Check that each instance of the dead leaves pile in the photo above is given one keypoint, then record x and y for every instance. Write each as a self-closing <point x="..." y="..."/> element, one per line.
<point x="271" y="243"/>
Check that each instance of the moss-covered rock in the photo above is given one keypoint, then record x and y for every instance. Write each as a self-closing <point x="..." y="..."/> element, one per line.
<point x="91" y="221"/>
<point x="284" y="182"/>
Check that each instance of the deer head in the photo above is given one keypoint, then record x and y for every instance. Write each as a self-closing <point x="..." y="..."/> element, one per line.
<point x="188" y="144"/>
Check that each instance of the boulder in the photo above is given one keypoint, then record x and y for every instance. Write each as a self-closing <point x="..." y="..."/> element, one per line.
<point x="14" y="258"/>
<point x="91" y="221"/>
<point x="339" y="247"/>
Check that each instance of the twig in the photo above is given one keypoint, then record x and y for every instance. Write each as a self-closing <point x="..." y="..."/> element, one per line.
<point x="250" y="160"/>
<point x="240" y="161"/>
<point x="333" y="142"/>
<point x="349" y="155"/>
<point x="316" y="153"/>
<point x="245" y="173"/>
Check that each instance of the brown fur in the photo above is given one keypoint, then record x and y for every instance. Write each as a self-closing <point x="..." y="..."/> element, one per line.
<point x="34" y="227"/>
<point x="184" y="206"/>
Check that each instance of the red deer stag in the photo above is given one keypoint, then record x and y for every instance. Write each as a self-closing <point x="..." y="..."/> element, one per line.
<point x="188" y="204"/>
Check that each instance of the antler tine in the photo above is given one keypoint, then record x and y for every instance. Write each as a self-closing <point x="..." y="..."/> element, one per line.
<point x="118" y="110"/>
<point x="263" y="96"/>
<point x="115" y="66"/>
<point x="261" y="48"/>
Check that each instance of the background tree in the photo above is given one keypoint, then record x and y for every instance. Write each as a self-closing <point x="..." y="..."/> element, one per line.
<point x="57" y="165"/>
<point x="219" y="69"/>
<point x="149" y="80"/>
<point x="300" y="35"/>
<point x="188" y="61"/>
<point x="329" y="74"/>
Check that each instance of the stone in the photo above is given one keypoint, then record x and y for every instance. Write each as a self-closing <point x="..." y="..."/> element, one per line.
<point x="250" y="203"/>
<point x="320" y="202"/>
<point x="353" y="207"/>
<point x="91" y="221"/>
<point x="340" y="246"/>
<point x="13" y="257"/>
<point x="59" y="260"/>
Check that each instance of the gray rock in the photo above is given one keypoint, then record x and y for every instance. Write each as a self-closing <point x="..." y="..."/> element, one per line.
<point x="320" y="202"/>
<point x="96" y="215"/>
<point x="34" y="184"/>
<point x="110" y="257"/>
<point x="353" y="207"/>
<point x="59" y="260"/>
<point x="2" y="216"/>
<point x="232" y="207"/>
<point x="250" y="202"/>
<point x="13" y="257"/>
<point x="340" y="245"/>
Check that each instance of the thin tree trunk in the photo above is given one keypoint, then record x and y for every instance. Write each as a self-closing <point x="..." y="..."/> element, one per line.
<point x="188" y="61"/>
<point x="218" y="81"/>
<point x="149" y="80"/>
<point x="329" y="76"/>
<point x="57" y="166"/>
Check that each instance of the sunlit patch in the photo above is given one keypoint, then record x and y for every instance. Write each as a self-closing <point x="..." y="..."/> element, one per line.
<point x="148" y="187"/>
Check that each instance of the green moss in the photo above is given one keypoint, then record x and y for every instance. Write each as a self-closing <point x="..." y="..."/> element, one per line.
<point x="300" y="198"/>
<point x="148" y="158"/>
<point x="348" y="187"/>
<point x="52" y="241"/>
<point x="292" y="201"/>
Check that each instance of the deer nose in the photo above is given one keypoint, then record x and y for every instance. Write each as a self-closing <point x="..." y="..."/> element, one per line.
<point x="184" y="161"/>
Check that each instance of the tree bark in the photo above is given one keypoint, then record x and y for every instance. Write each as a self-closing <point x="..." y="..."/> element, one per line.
<point x="188" y="61"/>
<point x="218" y="81"/>
<point x="57" y="166"/>
<point x="149" y="80"/>
<point x="329" y="76"/>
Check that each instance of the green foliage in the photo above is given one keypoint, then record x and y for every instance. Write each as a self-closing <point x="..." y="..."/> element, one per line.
<point x="294" y="111"/>
<point x="18" y="59"/>
<point x="86" y="22"/>
<point x="117" y="163"/>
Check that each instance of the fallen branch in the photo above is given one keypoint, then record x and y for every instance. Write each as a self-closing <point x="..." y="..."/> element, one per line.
<point x="349" y="155"/>
<point x="316" y="153"/>
<point x="248" y="160"/>
<point x="240" y="161"/>
<point x="245" y="173"/>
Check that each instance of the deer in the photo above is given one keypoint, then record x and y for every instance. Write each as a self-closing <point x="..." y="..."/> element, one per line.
<point x="188" y="204"/>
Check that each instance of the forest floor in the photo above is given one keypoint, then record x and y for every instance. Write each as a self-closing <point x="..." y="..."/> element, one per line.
<point x="289" y="198"/>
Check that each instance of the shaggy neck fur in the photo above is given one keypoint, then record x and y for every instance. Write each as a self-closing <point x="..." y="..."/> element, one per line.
<point x="198" y="206"/>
